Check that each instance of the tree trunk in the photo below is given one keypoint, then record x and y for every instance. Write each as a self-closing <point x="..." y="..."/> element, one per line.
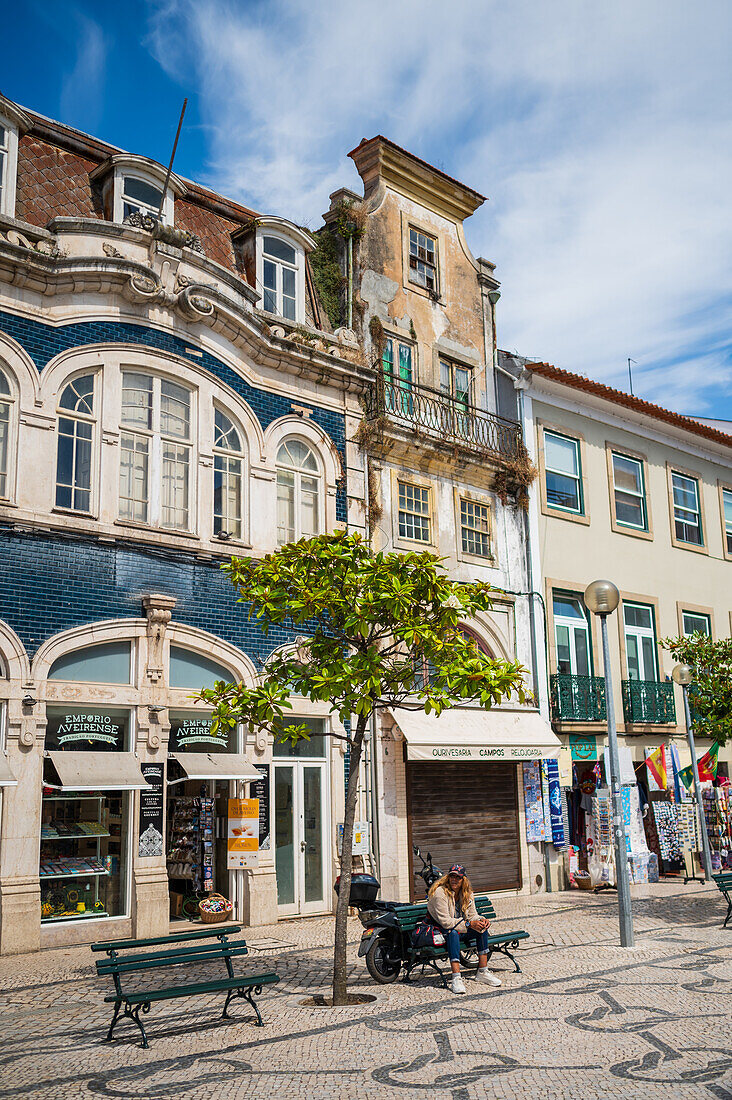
<point x="341" y="921"/>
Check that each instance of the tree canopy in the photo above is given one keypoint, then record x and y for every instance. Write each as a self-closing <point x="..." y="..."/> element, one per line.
<point x="710" y="695"/>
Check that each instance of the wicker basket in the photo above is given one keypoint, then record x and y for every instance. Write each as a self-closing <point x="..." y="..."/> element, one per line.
<point x="215" y="918"/>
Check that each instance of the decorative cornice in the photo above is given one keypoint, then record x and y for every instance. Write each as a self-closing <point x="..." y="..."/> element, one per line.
<point x="15" y="114"/>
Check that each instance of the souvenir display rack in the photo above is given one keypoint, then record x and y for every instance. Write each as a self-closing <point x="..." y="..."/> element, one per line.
<point x="191" y="842"/>
<point x="717" y="803"/>
<point x="72" y="865"/>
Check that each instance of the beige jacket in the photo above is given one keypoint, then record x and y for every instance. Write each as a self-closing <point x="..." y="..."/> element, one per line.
<point x="441" y="907"/>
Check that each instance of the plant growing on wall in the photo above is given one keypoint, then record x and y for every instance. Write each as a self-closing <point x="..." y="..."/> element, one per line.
<point x="710" y="695"/>
<point x="374" y="623"/>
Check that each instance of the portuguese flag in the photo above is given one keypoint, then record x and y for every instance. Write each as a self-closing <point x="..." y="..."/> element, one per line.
<point x="706" y="766"/>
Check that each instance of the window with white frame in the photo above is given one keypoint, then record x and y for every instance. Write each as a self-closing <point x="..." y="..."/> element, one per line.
<point x="687" y="511"/>
<point x="727" y="518"/>
<point x="423" y="260"/>
<point x="229" y="460"/>
<point x="696" y="622"/>
<point x="629" y="492"/>
<point x="414" y="512"/>
<point x="640" y="641"/>
<point x="139" y="197"/>
<point x="75" y="450"/>
<point x="563" y="472"/>
<point x="156" y="451"/>
<point x="7" y="409"/>
<point x="298" y="492"/>
<point x="475" y="528"/>
<point x="8" y="166"/>
<point x="572" y="635"/>
<point x="279" y="277"/>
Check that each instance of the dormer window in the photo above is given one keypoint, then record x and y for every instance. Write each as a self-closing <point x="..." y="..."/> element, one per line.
<point x="281" y="249"/>
<point x="12" y="123"/>
<point x="132" y="188"/>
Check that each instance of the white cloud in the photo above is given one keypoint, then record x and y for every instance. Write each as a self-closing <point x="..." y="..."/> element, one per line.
<point x="82" y="89"/>
<point x="602" y="135"/>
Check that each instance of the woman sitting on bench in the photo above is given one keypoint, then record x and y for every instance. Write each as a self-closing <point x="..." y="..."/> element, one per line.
<point x="452" y="906"/>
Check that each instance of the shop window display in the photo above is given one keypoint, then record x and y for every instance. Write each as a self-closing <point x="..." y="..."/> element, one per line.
<point x="83" y="842"/>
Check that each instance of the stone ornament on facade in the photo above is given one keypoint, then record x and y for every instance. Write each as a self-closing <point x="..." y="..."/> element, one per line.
<point x="45" y="246"/>
<point x="158" y="610"/>
<point x="178" y="238"/>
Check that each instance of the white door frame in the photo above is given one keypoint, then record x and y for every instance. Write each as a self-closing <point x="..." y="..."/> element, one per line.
<point x="301" y="908"/>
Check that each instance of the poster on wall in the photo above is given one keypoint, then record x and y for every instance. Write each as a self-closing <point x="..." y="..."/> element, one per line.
<point x="260" y="790"/>
<point x="151" y="811"/>
<point x="533" y="802"/>
<point x="242" y="842"/>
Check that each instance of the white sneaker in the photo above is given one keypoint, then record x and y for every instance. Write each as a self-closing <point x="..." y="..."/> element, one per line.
<point x="457" y="985"/>
<point x="485" y="976"/>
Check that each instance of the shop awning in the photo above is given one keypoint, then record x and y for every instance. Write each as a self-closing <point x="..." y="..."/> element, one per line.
<point x="7" y="779"/>
<point x="472" y="735"/>
<point x="215" y="765"/>
<point x="94" y="771"/>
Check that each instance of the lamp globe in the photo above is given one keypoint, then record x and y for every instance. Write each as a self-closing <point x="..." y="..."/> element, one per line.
<point x="683" y="675"/>
<point x="601" y="597"/>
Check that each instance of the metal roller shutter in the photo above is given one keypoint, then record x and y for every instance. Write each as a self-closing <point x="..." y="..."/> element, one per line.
<point x="466" y="813"/>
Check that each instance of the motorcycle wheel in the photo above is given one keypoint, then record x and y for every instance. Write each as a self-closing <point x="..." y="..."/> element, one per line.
<point x="469" y="958"/>
<point x="381" y="968"/>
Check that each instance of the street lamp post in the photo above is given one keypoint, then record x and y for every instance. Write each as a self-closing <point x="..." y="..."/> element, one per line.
<point x="602" y="598"/>
<point x="683" y="675"/>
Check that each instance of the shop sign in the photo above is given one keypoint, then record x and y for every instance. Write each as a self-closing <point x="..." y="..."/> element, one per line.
<point x="583" y="746"/>
<point x="189" y="733"/>
<point x="260" y="790"/>
<point x="98" y="728"/>
<point x="151" y="811"/>
<point x="484" y="753"/>
<point x="242" y="842"/>
<point x="360" y="838"/>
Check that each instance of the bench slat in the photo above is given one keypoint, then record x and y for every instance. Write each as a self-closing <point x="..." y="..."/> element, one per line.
<point x="192" y="990"/>
<point x="175" y="937"/>
<point x="162" y="959"/>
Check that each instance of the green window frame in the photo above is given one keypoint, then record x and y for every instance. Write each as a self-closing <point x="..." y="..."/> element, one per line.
<point x="727" y="517"/>
<point x="641" y="647"/>
<point x="696" y="622"/>
<point x="563" y="473"/>
<point x="629" y="491"/>
<point x="687" y="509"/>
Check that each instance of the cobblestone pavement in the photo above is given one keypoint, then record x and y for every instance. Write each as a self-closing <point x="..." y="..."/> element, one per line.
<point x="586" y="1019"/>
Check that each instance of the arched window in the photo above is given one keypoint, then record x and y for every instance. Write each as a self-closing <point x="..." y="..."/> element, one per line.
<point x="6" y="427"/>
<point x="75" y="445"/>
<point x="155" y="455"/>
<point x="471" y="636"/>
<point x="279" y="277"/>
<point x="298" y="492"/>
<point x="228" y="477"/>
<point x="108" y="663"/>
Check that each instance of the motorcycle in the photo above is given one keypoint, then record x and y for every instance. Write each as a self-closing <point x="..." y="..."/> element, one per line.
<point x="382" y="940"/>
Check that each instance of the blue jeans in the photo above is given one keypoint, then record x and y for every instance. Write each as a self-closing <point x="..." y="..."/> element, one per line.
<point x="454" y="940"/>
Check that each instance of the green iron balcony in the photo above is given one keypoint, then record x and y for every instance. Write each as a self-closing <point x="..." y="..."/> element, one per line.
<point x="577" y="698"/>
<point x="442" y="417"/>
<point x="649" y="701"/>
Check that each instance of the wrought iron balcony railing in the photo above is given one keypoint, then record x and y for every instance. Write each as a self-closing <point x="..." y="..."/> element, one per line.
<point x="443" y="417"/>
<point x="577" y="698"/>
<point x="649" y="701"/>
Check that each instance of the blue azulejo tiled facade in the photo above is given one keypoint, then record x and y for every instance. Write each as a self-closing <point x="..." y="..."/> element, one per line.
<point x="51" y="583"/>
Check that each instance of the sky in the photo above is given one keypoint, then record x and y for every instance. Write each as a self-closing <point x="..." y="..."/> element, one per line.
<point x="602" y="134"/>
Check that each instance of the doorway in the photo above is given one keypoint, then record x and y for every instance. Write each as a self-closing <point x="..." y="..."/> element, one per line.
<point x="301" y="827"/>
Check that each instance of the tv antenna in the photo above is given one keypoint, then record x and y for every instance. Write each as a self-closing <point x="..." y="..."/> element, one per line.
<point x="172" y="158"/>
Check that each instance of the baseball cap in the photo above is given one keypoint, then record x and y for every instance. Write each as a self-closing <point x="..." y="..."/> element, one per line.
<point x="457" y="869"/>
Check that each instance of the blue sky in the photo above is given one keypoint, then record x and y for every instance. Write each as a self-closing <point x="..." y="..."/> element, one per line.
<point x="601" y="133"/>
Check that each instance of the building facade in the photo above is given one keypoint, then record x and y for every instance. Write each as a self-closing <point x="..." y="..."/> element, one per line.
<point x="168" y="397"/>
<point x="441" y="477"/>
<point x="630" y="492"/>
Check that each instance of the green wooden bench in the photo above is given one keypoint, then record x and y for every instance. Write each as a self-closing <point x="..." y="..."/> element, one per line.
<point x="723" y="883"/>
<point x="207" y="945"/>
<point x="409" y="916"/>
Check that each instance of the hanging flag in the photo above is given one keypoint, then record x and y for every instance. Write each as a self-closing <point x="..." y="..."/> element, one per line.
<point x="687" y="777"/>
<point x="708" y="763"/>
<point x="676" y="768"/>
<point x="656" y="765"/>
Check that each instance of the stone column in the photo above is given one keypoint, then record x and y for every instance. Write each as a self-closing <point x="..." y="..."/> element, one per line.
<point x="150" y="904"/>
<point x="20" y="892"/>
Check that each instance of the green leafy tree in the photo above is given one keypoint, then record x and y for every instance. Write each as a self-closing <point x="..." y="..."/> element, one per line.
<point x="710" y="694"/>
<point x="374" y="623"/>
